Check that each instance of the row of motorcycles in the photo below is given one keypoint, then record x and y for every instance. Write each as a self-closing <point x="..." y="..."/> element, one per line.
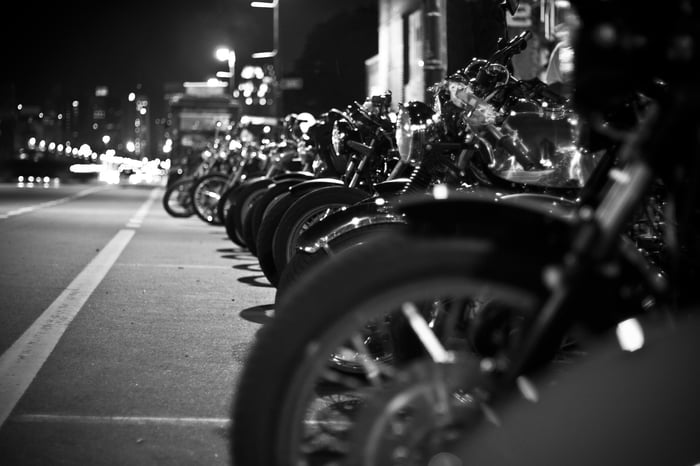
<point x="491" y="277"/>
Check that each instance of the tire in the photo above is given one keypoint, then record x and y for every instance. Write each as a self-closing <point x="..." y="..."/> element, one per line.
<point x="240" y="199"/>
<point x="225" y="203"/>
<point x="268" y="225"/>
<point x="286" y="377"/>
<point x="251" y="225"/>
<point x="303" y="263"/>
<point x="308" y="209"/>
<point x="206" y="194"/>
<point x="177" y="199"/>
<point x="229" y="225"/>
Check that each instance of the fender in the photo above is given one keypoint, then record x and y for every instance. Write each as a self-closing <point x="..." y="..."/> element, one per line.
<point x="391" y="187"/>
<point x="293" y="176"/>
<point x="542" y="225"/>
<point x="538" y="222"/>
<point x="316" y="183"/>
<point x="347" y="219"/>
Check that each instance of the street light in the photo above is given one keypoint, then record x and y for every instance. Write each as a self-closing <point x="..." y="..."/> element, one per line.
<point x="228" y="55"/>
<point x="274" y="54"/>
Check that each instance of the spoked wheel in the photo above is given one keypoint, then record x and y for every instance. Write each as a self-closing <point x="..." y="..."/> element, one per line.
<point x="411" y="420"/>
<point x="304" y="212"/>
<point x="224" y="203"/>
<point x="177" y="199"/>
<point x="378" y="308"/>
<point x="206" y="195"/>
<point x="303" y="262"/>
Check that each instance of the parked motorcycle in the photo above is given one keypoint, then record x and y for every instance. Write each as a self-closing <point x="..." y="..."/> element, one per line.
<point x="482" y="122"/>
<point x="294" y="157"/>
<point x="467" y="310"/>
<point x="363" y="140"/>
<point x="177" y="199"/>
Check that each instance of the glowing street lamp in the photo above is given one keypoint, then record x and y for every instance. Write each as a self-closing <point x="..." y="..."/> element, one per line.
<point x="274" y="54"/>
<point x="228" y="55"/>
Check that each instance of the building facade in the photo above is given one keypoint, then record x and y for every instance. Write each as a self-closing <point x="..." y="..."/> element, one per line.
<point x="422" y="41"/>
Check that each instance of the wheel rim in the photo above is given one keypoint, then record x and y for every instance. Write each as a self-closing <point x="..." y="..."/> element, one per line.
<point x="206" y="199"/>
<point x="315" y="383"/>
<point x="180" y="199"/>
<point x="306" y="221"/>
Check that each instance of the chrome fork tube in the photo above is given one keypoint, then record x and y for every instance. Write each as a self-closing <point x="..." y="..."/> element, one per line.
<point x="356" y="177"/>
<point x="623" y="197"/>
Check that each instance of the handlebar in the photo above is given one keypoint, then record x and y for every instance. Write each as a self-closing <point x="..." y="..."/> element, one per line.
<point x="365" y="116"/>
<point x="514" y="46"/>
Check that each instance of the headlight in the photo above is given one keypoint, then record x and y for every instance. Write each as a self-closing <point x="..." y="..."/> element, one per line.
<point x="336" y="138"/>
<point x="412" y="125"/>
<point x="341" y="133"/>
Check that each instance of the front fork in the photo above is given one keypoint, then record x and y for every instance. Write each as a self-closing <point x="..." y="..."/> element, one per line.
<point x="596" y="237"/>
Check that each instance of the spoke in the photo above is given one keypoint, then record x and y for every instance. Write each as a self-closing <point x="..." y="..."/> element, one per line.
<point x="425" y="334"/>
<point x="368" y="363"/>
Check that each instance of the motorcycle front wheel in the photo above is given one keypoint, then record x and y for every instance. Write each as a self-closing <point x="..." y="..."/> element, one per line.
<point x="241" y="199"/>
<point x="303" y="262"/>
<point x="251" y="225"/>
<point x="294" y="407"/>
<point x="310" y="208"/>
<point x="177" y="200"/>
<point x="206" y="195"/>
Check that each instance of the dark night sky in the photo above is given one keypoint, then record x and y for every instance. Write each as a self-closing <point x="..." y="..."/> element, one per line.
<point x="65" y="48"/>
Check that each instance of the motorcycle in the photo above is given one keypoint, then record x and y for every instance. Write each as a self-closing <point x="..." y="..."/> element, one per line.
<point x="470" y="310"/>
<point x="481" y="121"/>
<point x="240" y="162"/>
<point x="289" y="158"/>
<point x="363" y="141"/>
<point x="178" y="200"/>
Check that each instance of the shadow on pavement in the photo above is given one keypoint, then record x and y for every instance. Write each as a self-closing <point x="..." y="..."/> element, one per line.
<point x="240" y="257"/>
<point x="256" y="280"/>
<point x="258" y="314"/>
<point x="233" y="250"/>
<point x="248" y="267"/>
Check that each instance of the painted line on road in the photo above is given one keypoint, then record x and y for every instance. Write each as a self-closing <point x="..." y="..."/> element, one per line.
<point x="22" y="361"/>
<point x="43" y="205"/>
<point x="137" y="219"/>
<point x="131" y="420"/>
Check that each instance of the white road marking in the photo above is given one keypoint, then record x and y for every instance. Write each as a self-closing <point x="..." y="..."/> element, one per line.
<point x="137" y="219"/>
<point x="26" y="210"/>
<point x="22" y="361"/>
<point x="133" y="420"/>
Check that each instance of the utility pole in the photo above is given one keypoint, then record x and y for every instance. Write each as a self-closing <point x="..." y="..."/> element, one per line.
<point x="433" y="67"/>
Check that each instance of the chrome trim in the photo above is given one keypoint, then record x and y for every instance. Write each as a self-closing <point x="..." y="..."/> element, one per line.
<point x="355" y="223"/>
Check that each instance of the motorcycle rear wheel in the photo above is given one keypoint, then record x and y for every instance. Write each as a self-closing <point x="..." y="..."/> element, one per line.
<point x="287" y="389"/>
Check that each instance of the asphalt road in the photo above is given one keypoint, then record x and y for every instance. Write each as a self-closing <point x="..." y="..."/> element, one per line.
<point x="122" y="330"/>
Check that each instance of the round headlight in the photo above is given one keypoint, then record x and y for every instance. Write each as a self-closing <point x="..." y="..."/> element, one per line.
<point x="412" y="123"/>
